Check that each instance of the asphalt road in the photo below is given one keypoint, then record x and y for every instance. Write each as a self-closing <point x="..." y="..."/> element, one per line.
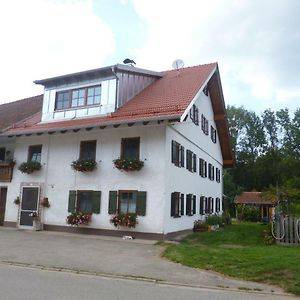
<point x="28" y="283"/>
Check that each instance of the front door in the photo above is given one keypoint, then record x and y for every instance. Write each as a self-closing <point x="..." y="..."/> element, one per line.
<point x="29" y="205"/>
<point x="3" y="193"/>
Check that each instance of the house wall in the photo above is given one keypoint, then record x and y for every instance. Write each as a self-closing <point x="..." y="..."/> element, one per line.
<point x="182" y="180"/>
<point x="57" y="177"/>
<point x="108" y="98"/>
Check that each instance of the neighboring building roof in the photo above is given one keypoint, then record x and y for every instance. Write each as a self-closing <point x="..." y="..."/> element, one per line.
<point x="14" y="112"/>
<point x="168" y="98"/>
<point x="253" y="198"/>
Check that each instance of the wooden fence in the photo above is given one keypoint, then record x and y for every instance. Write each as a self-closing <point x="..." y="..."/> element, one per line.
<point x="287" y="230"/>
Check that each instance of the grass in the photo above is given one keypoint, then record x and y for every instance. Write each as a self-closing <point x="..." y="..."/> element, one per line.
<point x="239" y="251"/>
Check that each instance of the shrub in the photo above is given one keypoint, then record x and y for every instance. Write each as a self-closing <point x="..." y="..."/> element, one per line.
<point x="214" y="220"/>
<point x="251" y="214"/>
<point x="127" y="220"/>
<point x="226" y="219"/>
<point x="84" y="165"/>
<point x="200" y="225"/>
<point x="267" y="235"/>
<point x="128" y="164"/>
<point x="30" y="166"/>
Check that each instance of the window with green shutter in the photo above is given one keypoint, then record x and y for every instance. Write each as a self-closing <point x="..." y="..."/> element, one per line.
<point x="141" y="203"/>
<point x="84" y="201"/>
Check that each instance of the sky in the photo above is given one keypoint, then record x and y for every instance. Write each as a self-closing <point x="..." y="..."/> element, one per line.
<point x="255" y="42"/>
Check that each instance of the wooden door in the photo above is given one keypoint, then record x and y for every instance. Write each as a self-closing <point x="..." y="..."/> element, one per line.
<point x="3" y="194"/>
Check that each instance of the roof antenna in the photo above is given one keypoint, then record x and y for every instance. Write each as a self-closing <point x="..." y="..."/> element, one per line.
<point x="129" y="61"/>
<point x="177" y="64"/>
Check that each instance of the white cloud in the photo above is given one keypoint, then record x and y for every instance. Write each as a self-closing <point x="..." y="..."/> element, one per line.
<point x="257" y="44"/>
<point x="44" y="38"/>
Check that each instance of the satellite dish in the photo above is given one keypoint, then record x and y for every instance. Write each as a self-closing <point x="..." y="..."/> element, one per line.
<point x="177" y="64"/>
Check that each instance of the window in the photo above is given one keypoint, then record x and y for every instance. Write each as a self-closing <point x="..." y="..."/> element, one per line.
<point x="190" y="205"/>
<point x="194" y="115"/>
<point x="177" y="204"/>
<point x="78" y="97"/>
<point x="189" y="160"/>
<point x="207" y="205"/>
<point x="211" y="205"/>
<point x="84" y="201"/>
<point x="194" y="162"/>
<point x="218" y="205"/>
<point x="35" y="153"/>
<point x="204" y="124"/>
<point x="202" y="167"/>
<point x="127" y="202"/>
<point x="2" y="154"/>
<point x="213" y="134"/>
<point x="205" y="90"/>
<point x="202" y="205"/>
<point x="218" y="175"/>
<point x="211" y="172"/>
<point x="63" y="100"/>
<point x="177" y="154"/>
<point x="93" y="95"/>
<point x="88" y="150"/>
<point x="130" y="148"/>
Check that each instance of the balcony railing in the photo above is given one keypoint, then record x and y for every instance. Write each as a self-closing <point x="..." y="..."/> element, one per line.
<point x="6" y="171"/>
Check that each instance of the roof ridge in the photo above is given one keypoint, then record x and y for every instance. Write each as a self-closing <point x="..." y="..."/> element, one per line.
<point x="190" y="67"/>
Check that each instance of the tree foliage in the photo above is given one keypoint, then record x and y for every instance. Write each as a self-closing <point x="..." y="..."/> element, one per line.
<point x="267" y="151"/>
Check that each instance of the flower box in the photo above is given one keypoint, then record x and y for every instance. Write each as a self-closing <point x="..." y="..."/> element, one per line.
<point x="84" y="165"/>
<point x="126" y="220"/>
<point x="30" y="166"/>
<point x="128" y="164"/>
<point x="78" y="218"/>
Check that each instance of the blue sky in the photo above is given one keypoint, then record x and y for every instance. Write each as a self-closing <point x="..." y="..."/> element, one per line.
<point x="255" y="42"/>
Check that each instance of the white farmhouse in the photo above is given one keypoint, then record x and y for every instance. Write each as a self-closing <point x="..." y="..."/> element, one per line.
<point x="168" y="130"/>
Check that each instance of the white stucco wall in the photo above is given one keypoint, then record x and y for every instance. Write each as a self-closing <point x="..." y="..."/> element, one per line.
<point x="107" y="103"/>
<point x="182" y="180"/>
<point x="57" y="176"/>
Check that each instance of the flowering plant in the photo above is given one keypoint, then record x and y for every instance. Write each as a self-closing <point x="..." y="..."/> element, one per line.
<point x="128" y="220"/>
<point x="84" y="165"/>
<point x="127" y="164"/>
<point x="17" y="201"/>
<point x="30" y="166"/>
<point x="78" y="218"/>
<point x="45" y="202"/>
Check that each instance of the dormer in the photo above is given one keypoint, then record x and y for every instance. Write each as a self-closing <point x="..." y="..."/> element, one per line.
<point x="97" y="92"/>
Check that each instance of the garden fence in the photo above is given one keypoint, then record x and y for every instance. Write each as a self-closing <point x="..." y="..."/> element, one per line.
<point x="286" y="230"/>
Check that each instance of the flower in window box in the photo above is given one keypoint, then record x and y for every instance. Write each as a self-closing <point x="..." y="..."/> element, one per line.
<point x="84" y="165"/>
<point x="79" y="218"/>
<point x="126" y="220"/>
<point x="127" y="164"/>
<point x="30" y="166"/>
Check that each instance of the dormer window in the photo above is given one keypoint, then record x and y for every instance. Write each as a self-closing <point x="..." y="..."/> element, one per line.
<point x="78" y="97"/>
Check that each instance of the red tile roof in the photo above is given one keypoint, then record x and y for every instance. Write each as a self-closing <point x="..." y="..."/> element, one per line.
<point x="253" y="198"/>
<point x="169" y="96"/>
<point x="16" y="111"/>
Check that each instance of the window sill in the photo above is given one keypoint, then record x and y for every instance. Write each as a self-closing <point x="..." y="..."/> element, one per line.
<point x="176" y="216"/>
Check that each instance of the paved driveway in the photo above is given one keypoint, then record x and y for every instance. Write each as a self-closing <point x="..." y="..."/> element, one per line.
<point x="106" y="255"/>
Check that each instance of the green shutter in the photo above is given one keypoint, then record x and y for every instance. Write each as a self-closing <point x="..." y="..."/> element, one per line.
<point x="113" y="202"/>
<point x="72" y="201"/>
<point x="141" y="203"/>
<point x="96" y="202"/>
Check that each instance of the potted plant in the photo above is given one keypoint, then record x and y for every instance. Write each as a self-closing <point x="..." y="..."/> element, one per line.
<point x="84" y="165"/>
<point x="127" y="220"/>
<point x="17" y="201"/>
<point x="45" y="202"/>
<point x="78" y="218"/>
<point x="127" y="164"/>
<point x="30" y="166"/>
<point x="36" y="222"/>
<point x="200" y="226"/>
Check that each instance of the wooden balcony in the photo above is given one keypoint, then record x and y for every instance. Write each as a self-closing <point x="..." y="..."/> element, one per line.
<point x="6" y="171"/>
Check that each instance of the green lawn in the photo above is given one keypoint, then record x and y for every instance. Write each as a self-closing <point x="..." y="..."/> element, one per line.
<point x="239" y="251"/>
